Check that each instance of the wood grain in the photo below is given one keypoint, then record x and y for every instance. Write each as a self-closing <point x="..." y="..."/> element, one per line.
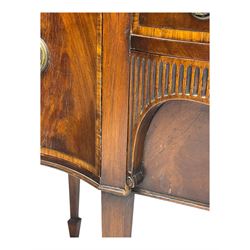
<point x="154" y="80"/>
<point x="74" y="223"/>
<point x="117" y="215"/>
<point x="167" y="47"/>
<point x="176" y="152"/>
<point x="69" y="88"/>
<point x="57" y="156"/>
<point x="124" y="93"/>
<point x="160" y="26"/>
<point x="115" y="98"/>
<point x="176" y="21"/>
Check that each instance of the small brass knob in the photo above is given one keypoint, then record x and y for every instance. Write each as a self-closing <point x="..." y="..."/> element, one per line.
<point x="201" y="15"/>
<point x="44" y="55"/>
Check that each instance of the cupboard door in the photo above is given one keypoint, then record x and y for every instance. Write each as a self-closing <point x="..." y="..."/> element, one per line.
<point x="70" y="93"/>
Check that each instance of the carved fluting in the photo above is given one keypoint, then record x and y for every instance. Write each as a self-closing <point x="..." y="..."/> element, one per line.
<point x="155" y="79"/>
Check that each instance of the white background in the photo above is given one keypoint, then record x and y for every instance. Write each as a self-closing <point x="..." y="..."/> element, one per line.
<point x="34" y="203"/>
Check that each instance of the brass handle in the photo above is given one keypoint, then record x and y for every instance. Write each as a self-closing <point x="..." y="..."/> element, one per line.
<point x="44" y="55"/>
<point x="201" y="15"/>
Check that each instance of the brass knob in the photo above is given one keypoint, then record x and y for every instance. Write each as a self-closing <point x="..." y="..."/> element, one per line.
<point x="44" y="55"/>
<point x="201" y="15"/>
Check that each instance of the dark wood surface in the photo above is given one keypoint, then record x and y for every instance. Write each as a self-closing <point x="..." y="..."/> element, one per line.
<point x="122" y="93"/>
<point x="161" y="26"/>
<point x="155" y="80"/>
<point x="74" y="222"/>
<point x="68" y="89"/>
<point x="116" y="28"/>
<point x="176" y="152"/>
<point x="168" y="47"/>
<point x="176" y="21"/>
<point x="117" y="215"/>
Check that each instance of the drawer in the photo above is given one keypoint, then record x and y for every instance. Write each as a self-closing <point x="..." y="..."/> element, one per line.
<point x="178" y="21"/>
<point x="175" y="26"/>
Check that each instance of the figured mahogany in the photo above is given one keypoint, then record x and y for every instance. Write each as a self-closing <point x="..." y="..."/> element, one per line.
<point x="69" y="92"/>
<point x="184" y="27"/>
<point x="176" y="21"/>
<point x="125" y="107"/>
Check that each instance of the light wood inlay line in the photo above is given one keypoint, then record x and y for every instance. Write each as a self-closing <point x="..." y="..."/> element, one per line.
<point x="82" y="164"/>
<point x="164" y="32"/>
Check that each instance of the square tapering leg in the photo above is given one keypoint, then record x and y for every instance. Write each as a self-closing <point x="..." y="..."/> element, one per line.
<point x="117" y="215"/>
<point x="74" y="223"/>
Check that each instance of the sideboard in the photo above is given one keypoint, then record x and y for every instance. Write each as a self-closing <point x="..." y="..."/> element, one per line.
<point x="125" y="107"/>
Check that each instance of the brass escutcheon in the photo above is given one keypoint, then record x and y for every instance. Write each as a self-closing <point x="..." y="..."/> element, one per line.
<point x="44" y="55"/>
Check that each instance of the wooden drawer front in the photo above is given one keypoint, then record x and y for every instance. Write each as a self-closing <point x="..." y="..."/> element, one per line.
<point x="69" y="90"/>
<point x="176" y="26"/>
<point x="177" y="21"/>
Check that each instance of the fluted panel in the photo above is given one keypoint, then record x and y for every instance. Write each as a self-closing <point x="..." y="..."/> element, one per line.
<point x="155" y="79"/>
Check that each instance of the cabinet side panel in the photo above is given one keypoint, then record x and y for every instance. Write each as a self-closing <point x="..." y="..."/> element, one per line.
<point x="68" y="88"/>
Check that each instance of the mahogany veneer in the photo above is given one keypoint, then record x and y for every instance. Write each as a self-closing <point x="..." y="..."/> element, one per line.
<point x="125" y="107"/>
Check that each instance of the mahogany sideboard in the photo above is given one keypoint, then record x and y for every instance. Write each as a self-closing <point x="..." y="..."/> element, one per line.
<point x="125" y="107"/>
